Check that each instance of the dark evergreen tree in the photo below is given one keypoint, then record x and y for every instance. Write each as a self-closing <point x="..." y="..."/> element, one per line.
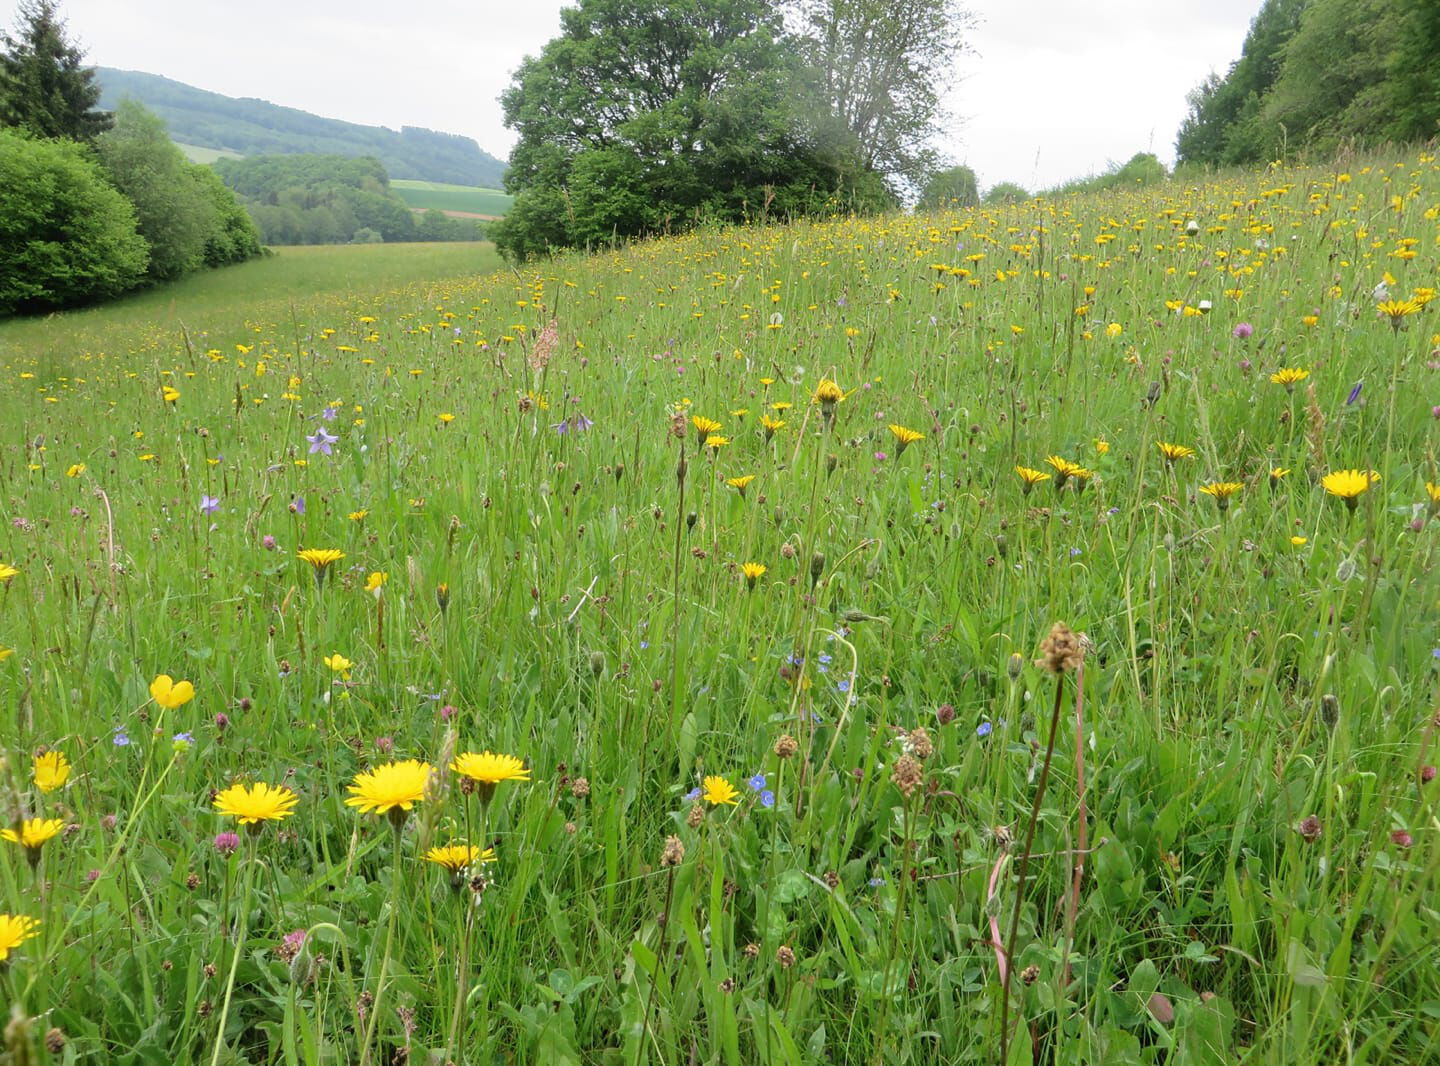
<point x="45" y="87"/>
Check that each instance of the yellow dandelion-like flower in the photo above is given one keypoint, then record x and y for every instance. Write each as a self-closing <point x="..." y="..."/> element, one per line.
<point x="1433" y="491"/>
<point x="358" y="516"/>
<point x="51" y="770"/>
<point x="170" y="394"/>
<point x="445" y="418"/>
<point x="456" y="857"/>
<point x="15" y="929"/>
<point x="828" y="393"/>
<point x="718" y="791"/>
<point x="1398" y="310"/>
<point x="1221" y="491"/>
<point x="487" y="768"/>
<point x="739" y="483"/>
<point x="1102" y="446"/>
<point x="33" y="835"/>
<point x="169" y="693"/>
<point x="257" y="803"/>
<point x="704" y="426"/>
<point x="753" y="572"/>
<point x="321" y="558"/>
<point x="715" y="442"/>
<point x="6" y="573"/>
<point x="75" y="470"/>
<point x="1030" y="478"/>
<point x="1349" y="484"/>
<point x="375" y="583"/>
<point x="1289" y="376"/>
<point x="781" y="405"/>
<point x="1299" y="541"/>
<point x="1173" y="452"/>
<point x="389" y="789"/>
<point x="771" y="425"/>
<point x="904" y="437"/>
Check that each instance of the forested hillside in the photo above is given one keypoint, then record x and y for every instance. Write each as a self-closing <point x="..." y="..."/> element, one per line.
<point x="255" y="127"/>
<point x="1316" y="75"/>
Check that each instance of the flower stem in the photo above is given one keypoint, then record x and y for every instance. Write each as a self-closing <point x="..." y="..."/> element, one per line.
<point x="242" y="930"/>
<point x="372" y="1024"/>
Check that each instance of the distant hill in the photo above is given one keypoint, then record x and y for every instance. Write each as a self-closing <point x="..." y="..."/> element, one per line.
<point x="254" y="127"/>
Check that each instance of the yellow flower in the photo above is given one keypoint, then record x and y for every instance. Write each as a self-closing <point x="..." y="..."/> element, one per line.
<point x="781" y="405"/>
<point x="1222" y="491"/>
<point x="1289" y="377"/>
<point x="1278" y="472"/>
<point x="374" y="584"/>
<point x="715" y="442"/>
<point x="704" y="426"/>
<point x="1172" y="452"/>
<point x="1399" y="309"/>
<point x="170" y="394"/>
<point x="828" y="393"/>
<point x="753" y="572"/>
<point x="1102" y="446"/>
<point x="51" y="770"/>
<point x="487" y="768"/>
<point x="1310" y="320"/>
<point x="1299" y="542"/>
<point x="321" y="558"/>
<point x="32" y="835"/>
<point x="7" y="572"/>
<point x="169" y="693"/>
<point x="904" y="437"/>
<point x="393" y="787"/>
<point x="358" y="516"/>
<point x="718" y="790"/>
<point x="1349" y="484"/>
<point x="455" y="857"/>
<point x="256" y="803"/>
<point x="1030" y="478"/>
<point x="76" y="469"/>
<point x="446" y="418"/>
<point x="1114" y="329"/>
<point x="15" y="929"/>
<point x="739" y="483"/>
<point x="771" y="425"/>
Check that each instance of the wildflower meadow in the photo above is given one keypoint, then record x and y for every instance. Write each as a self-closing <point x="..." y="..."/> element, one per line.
<point x="1000" y="636"/>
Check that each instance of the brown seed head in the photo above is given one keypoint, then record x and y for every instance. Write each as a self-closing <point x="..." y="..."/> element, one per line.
<point x="907" y="775"/>
<point x="785" y="956"/>
<point x="786" y="746"/>
<point x="1061" y="650"/>
<point x="918" y="744"/>
<point x="674" y="853"/>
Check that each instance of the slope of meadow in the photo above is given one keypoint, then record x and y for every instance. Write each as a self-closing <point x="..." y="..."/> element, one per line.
<point x="736" y="562"/>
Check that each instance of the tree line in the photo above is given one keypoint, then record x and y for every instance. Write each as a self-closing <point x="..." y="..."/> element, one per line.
<point x="332" y="199"/>
<point x="93" y="203"/>
<point x="1317" y="75"/>
<point x="652" y="116"/>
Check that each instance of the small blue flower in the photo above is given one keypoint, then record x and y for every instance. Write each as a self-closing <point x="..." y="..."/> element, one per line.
<point x="209" y="504"/>
<point x="320" y="441"/>
<point x="844" y="685"/>
<point x="876" y="882"/>
<point x="767" y="798"/>
<point x="121" y="740"/>
<point x="984" y="729"/>
<point x="757" y="783"/>
<point x="329" y="413"/>
<point x="825" y="657"/>
<point x="692" y="795"/>
<point x="1074" y="552"/>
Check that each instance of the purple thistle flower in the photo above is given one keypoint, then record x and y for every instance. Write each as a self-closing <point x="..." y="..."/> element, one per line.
<point x="227" y="843"/>
<point x="1242" y="330"/>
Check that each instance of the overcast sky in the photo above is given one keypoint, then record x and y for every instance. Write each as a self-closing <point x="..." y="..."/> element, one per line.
<point x="1049" y="90"/>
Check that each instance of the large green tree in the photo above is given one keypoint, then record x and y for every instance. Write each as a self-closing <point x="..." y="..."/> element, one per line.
<point x="44" y="85"/>
<point x="880" y="69"/>
<point x="176" y="213"/>
<point x="646" y="115"/>
<point x="1414" y="74"/>
<point x="66" y="236"/>
<point x="952" y="187"/>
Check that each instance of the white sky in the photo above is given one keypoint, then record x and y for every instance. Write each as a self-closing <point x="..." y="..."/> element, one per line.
<point x="1050" y="89"/>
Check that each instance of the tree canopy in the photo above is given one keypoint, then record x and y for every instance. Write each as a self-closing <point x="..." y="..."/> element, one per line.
<point x="645" y="116"/>
<point x="44" y="85"/>
<point x="1315" y="74"/>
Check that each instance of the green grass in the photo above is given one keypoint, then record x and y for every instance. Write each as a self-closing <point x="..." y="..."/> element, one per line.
<point x="196" y="154"/>
<point x="232" y="299"/>
<point x="542" y="557"/>
<point x="426" y="195"/>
